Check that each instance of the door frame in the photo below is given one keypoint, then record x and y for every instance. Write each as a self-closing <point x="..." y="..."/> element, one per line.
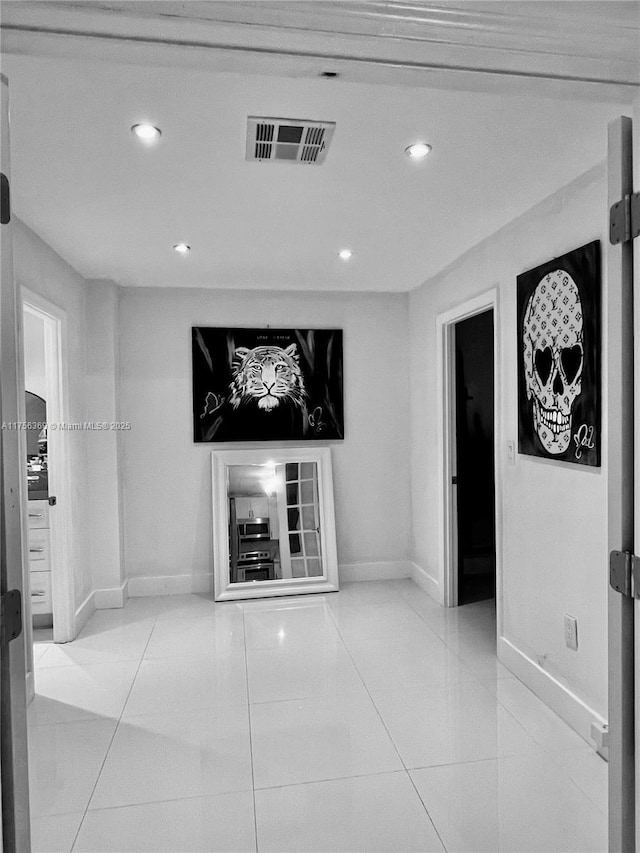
<point x="635" y="156"/>
<point x="620" y="453"/>
<point x="446" y="365"/>
<point x="60" y="521"/>
<point x="14" y="778"/>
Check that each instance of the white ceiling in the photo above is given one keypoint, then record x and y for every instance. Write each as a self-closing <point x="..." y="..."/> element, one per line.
<point x="113" y="208"/>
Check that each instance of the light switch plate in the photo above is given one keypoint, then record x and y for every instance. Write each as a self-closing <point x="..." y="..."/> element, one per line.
<point x="571" y="632"/>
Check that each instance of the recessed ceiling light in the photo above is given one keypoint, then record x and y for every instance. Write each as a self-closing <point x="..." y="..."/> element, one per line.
<point x="417" y="151"/>
<point x="345" y="254"/>
<point x="146" y="133"/>
<point x="182" y="248"/>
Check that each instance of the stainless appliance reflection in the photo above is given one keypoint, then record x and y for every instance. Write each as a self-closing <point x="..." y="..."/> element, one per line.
<point x="254" y="562"/>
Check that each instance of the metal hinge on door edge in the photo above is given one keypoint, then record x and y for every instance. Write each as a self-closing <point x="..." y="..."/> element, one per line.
<point x="11" y="624"/>
<point x="624" y="219"/>
<point x="5" y="202"/>
<point x="624" y="573"/>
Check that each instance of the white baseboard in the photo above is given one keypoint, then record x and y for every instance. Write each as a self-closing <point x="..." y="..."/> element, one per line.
<point x="203" y="583"/>
<point x="380" y="571"/>
<point x="426" y="582"/>
<point x="107" y="599"/>
<point x="84" y="613"/>
<point x="169" y="585"/>
<point x="553" y="693"/>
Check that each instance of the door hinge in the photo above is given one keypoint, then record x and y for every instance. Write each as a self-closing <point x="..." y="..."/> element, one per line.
<point x="5" y="200"/>
<point x="624" y="573"/>
<point x="624" y="219"/>
<point x="11" y="604"/>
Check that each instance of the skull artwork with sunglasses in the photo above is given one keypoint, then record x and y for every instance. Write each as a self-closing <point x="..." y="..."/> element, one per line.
<point x="553" y="357"/>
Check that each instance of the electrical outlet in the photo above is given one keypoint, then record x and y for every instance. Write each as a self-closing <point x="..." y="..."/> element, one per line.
<point x="571" y="632"/>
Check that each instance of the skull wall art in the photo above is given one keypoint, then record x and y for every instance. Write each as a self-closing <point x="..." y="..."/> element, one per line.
<point x="553" y="357"/>
<point x="559" y="330"/>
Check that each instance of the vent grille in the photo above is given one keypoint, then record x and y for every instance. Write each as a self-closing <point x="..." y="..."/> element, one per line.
<point x="264" y="140"/>
<point x="284" y="139"/>
<point x="312" y="148"/>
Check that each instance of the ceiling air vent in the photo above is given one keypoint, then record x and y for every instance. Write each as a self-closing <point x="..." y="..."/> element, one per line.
<point x="288" y="139"/>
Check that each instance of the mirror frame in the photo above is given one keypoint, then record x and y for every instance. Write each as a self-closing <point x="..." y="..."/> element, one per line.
<point x="223" y="590"/>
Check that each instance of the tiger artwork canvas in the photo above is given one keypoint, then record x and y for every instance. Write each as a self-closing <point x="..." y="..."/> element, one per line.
<point x="267" y="384"/>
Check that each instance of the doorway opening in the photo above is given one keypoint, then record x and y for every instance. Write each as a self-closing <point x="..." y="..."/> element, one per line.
<point x="475" y="460"/>
<point x="50" y="613"/>
<point x="38" y="539"/>
<point x="469" y="391"/>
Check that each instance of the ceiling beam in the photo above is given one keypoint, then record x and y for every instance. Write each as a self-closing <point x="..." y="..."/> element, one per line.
<point x="415" y="44"/>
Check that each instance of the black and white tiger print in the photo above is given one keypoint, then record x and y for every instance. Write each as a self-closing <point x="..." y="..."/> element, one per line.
<point x="268" y="376"/>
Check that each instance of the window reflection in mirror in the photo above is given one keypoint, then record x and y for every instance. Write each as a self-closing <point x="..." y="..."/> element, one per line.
<point x="274" y="522"/>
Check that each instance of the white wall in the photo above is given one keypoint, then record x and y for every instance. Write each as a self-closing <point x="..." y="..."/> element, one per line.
<point x="166" y="478"/>
<point x="554" y="540"/>
<point x="101" y="403"/>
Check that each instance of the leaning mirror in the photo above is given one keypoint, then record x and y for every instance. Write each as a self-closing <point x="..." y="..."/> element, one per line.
<point x="273" y="523"/>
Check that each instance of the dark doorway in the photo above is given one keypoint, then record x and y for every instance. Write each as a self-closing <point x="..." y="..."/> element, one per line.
<point x="475" y="464"/>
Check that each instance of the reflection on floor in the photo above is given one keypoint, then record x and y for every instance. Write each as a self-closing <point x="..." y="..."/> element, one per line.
<point x="477" y="580"/>
<point x="42" y="635"/>
<point x="367" y="720"/>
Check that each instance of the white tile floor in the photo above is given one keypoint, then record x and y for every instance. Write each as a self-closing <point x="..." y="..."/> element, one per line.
<point x="368" y="720"/>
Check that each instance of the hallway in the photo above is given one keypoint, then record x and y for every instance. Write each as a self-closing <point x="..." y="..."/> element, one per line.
<point x="370" y="719"/>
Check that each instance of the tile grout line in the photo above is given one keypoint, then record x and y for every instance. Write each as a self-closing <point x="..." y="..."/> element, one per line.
<point x="549" y="754"/>
<point x="421" y="616"/>
<point x="253" y="781"/>
<point x="104" y="760"/>
<point x="424" y="806"/>
<point x="406" y="769"/>
<point x="158" y="802"/>
<point x="436" y="635"/>
<point x="331" y="779"/>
